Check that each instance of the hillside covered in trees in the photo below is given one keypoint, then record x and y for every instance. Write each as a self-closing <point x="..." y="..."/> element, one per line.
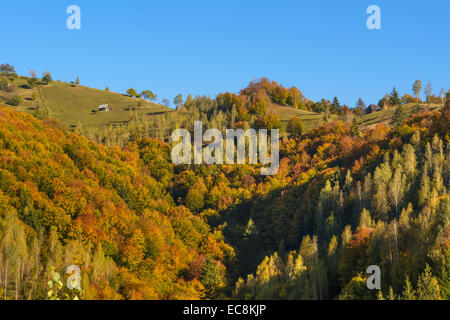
<point x="140" y="227"/>
<point x="67" y="201"/>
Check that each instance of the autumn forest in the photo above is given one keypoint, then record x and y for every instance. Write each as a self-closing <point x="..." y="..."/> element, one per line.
<point x="348" y="194"/>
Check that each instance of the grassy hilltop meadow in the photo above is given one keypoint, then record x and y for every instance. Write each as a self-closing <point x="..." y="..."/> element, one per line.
<point x="98" y="189"/>
<point x="75" y="104"/>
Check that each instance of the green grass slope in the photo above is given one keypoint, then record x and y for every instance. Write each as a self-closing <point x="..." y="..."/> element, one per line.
<point x="385" y="116"/>
<point x="285" y="113"/>
<point x="75" y="105"/>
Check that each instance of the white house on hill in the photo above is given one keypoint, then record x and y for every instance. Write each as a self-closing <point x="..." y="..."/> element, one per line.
<point x="104" y="107"/>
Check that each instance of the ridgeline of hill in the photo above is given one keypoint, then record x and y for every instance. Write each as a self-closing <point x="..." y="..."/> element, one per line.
<point x="263" y="104"/>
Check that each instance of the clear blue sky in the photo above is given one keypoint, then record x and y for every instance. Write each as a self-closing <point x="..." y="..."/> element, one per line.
<point x="323" y="47"/>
